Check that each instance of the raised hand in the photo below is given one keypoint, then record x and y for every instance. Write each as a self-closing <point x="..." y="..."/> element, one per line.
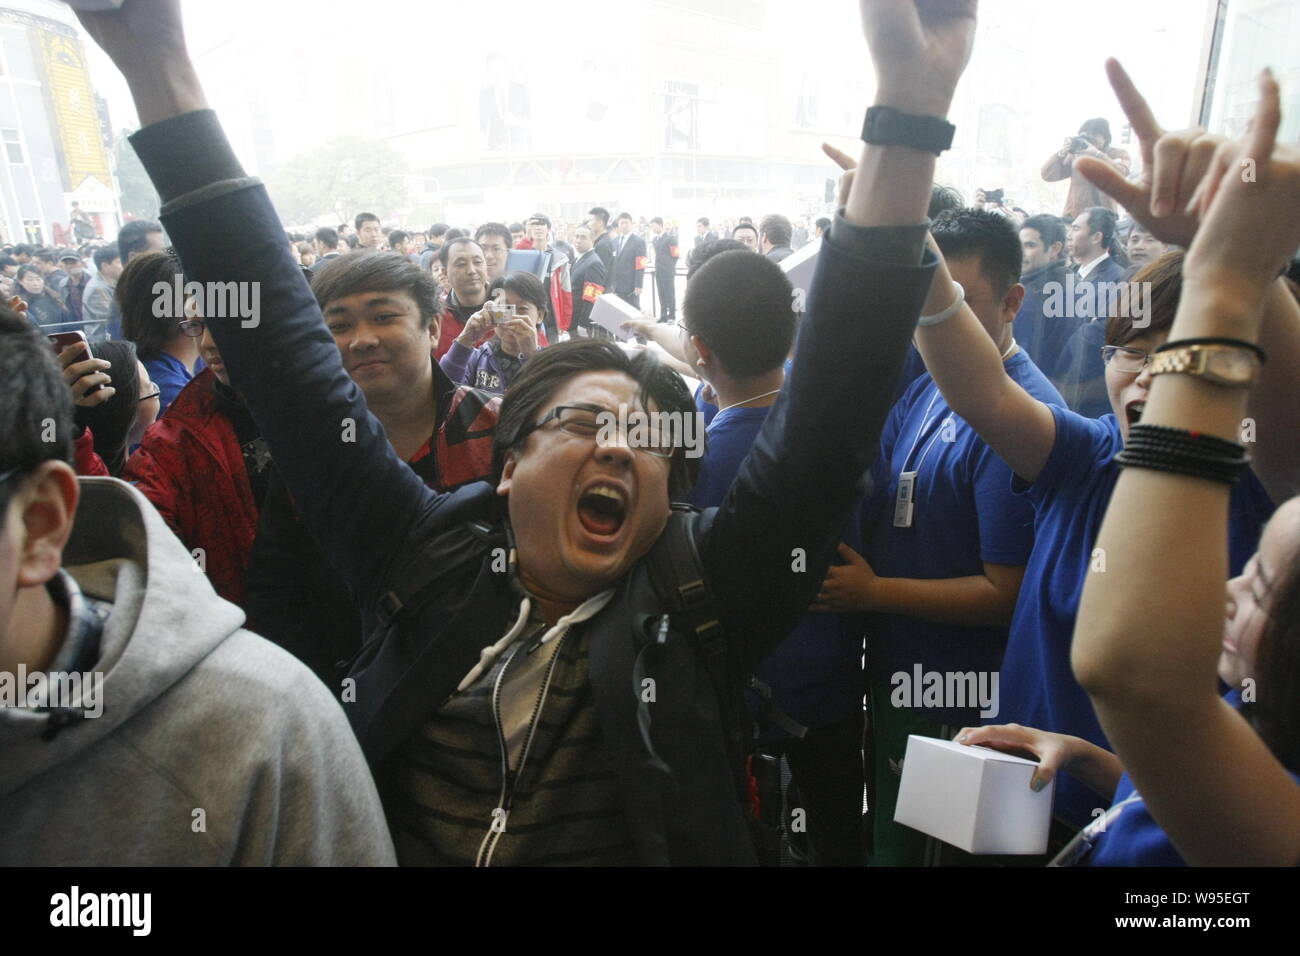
<point x="1173" y="164"/>
<point x="84" y="374"/>
<point x="919" y="49"/>
<point x="1247" y="202"/>
<point x="476" y="326"/>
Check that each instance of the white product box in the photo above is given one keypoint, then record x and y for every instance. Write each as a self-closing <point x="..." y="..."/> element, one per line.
<point x="799" y="268"/>
<point x="610" y="312"/>
<point x="975" y="798"/>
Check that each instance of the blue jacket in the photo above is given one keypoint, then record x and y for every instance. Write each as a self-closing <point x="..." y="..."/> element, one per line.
<point x="763" y="559"/>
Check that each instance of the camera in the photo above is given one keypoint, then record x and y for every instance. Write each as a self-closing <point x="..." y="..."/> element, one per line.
<point x="993" y="196"/>
<point x="499" y="312"/>
<point x="1078" y="144"/>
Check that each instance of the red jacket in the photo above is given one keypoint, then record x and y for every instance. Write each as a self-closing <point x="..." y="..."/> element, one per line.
<point x="190" y="466"/>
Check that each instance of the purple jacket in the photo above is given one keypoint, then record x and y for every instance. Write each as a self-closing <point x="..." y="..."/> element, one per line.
<point x="485" y="367"/>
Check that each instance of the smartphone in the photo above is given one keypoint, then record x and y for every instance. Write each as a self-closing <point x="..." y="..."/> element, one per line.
<point x="63" y="340"/>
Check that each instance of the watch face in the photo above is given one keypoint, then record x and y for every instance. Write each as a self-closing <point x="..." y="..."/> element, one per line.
<point x="1231" y="365"/>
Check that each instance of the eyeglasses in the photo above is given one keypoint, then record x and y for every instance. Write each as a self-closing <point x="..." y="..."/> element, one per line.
<point x="192" y="327"/>
<point x="594" y="424"/>
<point x="1123" y="359"/>
<point x="679" y="324"/>
<point x="154" y="394"/>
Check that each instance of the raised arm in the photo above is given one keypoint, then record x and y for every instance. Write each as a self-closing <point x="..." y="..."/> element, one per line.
<point x="351" y="487"/>
<point x="769" y="544"/>
<point x="1208" y="778"/>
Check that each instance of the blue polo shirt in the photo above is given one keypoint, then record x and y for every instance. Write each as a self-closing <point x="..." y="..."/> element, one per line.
<point x="1070" y="498"/>
<point x="1131" y="836"/>
<point x="816" y="673"/>
<point x="964" y="515"/>
<point x="170" y="375"/>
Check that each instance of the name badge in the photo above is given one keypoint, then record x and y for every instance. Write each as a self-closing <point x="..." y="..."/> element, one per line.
<point x="903" y="504"/>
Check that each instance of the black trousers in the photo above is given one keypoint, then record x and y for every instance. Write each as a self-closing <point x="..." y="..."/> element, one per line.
<point x="826" y="767"/>
<point x="666" y="285"/>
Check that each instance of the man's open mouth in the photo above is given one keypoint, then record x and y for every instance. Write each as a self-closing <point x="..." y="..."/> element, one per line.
<point x="601" y="510"/>
<point x="1134" y="412"/>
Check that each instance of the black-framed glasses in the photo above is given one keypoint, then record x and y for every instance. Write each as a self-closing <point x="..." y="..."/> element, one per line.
<point x="13" y="472"/>
<point x="595" y="423"/>
<point x="154" y="394"/>
<point x="192" y="327"/>
<point x="1124" y="359"/>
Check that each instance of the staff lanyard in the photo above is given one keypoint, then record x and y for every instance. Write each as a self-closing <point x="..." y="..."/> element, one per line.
<point x="905" y="502"/>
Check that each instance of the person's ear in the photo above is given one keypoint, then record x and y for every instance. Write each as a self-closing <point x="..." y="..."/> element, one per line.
<point x="507" y="471"/>
<point x="1055" y="250"/>
<point x="435" y="333"/>
<point x="1011" y="302"/>
<point x="702" y="350"/>
<point x="46" y="506"/>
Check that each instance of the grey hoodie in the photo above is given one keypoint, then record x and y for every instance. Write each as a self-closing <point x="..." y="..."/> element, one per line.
<point x="214" y="747"/>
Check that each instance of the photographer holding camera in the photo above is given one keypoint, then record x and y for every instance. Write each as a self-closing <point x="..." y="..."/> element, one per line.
<point x="1092" y="140"/>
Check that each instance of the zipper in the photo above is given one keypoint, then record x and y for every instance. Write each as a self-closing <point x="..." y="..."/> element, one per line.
<point x="510" y="778"/>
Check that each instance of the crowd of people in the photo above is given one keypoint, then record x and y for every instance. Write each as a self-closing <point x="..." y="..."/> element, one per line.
<point x="369" y="578"/>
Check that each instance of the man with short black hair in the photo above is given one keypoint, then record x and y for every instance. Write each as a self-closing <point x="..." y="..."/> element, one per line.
<point x="1142" y="248"/>
<point x="467" y="275"/>
<point x="516" y="234"/>
<point x="703" y="234"/>
<point x="629" y="262"/>
<point x="99" y="307"/>
<point x="774" y="234"/>
<point x="666" y="254"/>
<point x="602" y="243"/>
<point x="436" y="233"/>
<point x="555" y="276"/>
<point x="370" y="233"/>
<point x="205" y="722"/>
<point x="74" y="285"/>
<point x="588" y="277"/>
<point x="746" y="233"/>
<point x="326" y="241"/>
<point x="137" y="236"/>
<point x="1043" y="274"/>
<point x="496" y="242"/>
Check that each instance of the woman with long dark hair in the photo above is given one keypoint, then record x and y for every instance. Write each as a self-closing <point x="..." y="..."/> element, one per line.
<point x="166" y="350"/>
<point x="118" y="423"/>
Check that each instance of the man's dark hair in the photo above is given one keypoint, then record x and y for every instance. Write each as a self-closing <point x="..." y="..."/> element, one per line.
<point x="396" y="236"/>
<point x="942" y="199"/>
<point x="601" y="213"/>
<point x="110" y="422"/>
<point x="1166" y="278"/>
<point x="657" y="219"/>
<point x="1104" y="221"/>
<point x="525" y="285"/>
<point x="777" y="228"/>
<point x="327" y="237"/>
<point x="136" y="298"/>
<point x="104" y="255"/>
<point x="24" y="249"/>
<point x="444" y="251"/>
<point x="703" y="221"/>
<point x="352" y="241"/>
<point x="703" y="253"/>
<point x="498" y="229"/>
<point x="47" y="255"/>
<point x="741" y="305"/>
<point x="824" y="224"/>
<point x="1098" y="126"/>
<point x="363" y="217"/>
<point x="745" y="225"/>
<point x="516" y="227"/>
<point x="374" y="271"/>
<point x="438" y="229"/>
<point x="625" y="215"/>
<point x="529" y="396"/>
<point x="986" y="235"/>
<point x="1049" y="229"/>
<point x="7" y="261"/>
<point x="540" y="217"/>
<point x="32" y="396"/>
<point x="133" y="237"/>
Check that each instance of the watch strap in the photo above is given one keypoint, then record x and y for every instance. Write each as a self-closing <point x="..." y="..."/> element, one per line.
<point x="886" y="126"/>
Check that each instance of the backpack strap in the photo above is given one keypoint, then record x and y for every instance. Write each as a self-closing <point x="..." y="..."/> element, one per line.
<point x="678" y="577"/>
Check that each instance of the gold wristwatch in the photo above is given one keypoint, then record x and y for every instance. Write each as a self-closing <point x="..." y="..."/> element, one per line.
<point x="1221" y="364"/>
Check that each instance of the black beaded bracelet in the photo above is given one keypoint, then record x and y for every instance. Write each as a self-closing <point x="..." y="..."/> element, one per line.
<point x="1216" y="340"/>
<point x="1201" y="442"/>
<point x="1183" y="452"/>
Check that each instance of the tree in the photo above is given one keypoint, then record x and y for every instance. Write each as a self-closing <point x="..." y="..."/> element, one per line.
<point x="345" y="176"/>
<point x="139" y="198"/>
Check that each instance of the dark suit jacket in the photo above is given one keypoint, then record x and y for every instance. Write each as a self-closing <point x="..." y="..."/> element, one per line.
<point x="629" y="264"/>
<point x="604" y="247"/>
<point x="587" y="279"/>
<point x="666" y="251"/>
